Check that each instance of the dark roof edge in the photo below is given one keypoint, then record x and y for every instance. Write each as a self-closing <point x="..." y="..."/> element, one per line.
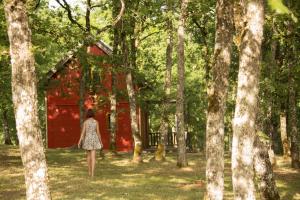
<point x="100" y="44"/>
<point x="107" y="49"/>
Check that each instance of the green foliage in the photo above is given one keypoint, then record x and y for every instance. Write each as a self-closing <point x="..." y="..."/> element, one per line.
<point x="278" y="6"/>
<point x="53" y="35"/>
<point x="5" y="79"/>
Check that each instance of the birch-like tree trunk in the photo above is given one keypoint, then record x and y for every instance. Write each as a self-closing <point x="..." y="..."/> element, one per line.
<point x="181" y="159"/>
<point x="244" y="129"/>
<point x="24" y="91"/>
<point x="264" y="171"/>
<point x="161" y="149"/>
<point x="134" y="126"/>
<point x="217" y="93"/>
<point x="137" y="155"/>
<point x="283" y="133"/>
<point x="293" y="123"/>
<point x="7" y="138"/>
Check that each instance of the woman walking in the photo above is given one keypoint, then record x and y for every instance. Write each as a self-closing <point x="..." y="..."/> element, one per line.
<point x="91" y="140"/>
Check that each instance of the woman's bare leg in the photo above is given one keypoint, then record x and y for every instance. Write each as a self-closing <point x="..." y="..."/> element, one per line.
<point x="93" y="161"/>
<point x="88" y="159"/>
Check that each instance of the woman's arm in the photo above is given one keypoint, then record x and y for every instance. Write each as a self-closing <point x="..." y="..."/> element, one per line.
<point x="98" y="133"/>
<point x="82" y="134"/>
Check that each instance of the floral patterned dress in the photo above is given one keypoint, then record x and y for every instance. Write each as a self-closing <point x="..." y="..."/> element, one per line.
<point x="91" y="140"/>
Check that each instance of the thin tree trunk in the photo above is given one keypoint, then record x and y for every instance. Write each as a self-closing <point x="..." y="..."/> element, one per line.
<point x="137" y="156"/>
<point x="112" y="95"/>
<point x="293" y="123"/>
<point x="7" y="139"/>
<point x="24" y="90"/>
<point x="87" y="16"/>
<point x="246" y="101"/>
<point x="82" y="96"/>
<point x="161" y="148"/>
<point x="264" y="171"/>
<point x="181" y="159"/>
<point x="84" y="66"/>
<point x="113" y="113"/>
<point x="217" y="94"/>
<point x="283" y="133"/>
<point x="269" y="122"/>
<point x="270" y="132"/>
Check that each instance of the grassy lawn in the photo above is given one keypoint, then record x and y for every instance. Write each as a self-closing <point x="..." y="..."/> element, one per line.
<point x="117" y="178"/>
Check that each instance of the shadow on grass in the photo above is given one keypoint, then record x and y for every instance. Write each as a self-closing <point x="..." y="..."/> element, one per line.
<point x="118" y="178"/>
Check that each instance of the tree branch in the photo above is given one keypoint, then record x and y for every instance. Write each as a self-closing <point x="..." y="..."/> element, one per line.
<point x="145" y="37"/>
<point x="67" y="7"/>
<point x="116" y="20"/>
<point x="87" y="16"/>
<point x="120" y="13"/>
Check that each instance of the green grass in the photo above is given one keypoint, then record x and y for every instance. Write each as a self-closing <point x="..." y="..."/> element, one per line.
<point x="118" y="178"/>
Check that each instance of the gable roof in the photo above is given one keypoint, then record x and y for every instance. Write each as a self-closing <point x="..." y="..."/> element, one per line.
<point x="103" y="46"/>
<point x="71" y="54"/>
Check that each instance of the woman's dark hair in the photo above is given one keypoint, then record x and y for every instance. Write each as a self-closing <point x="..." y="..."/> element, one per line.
<point x="90" y="113"/>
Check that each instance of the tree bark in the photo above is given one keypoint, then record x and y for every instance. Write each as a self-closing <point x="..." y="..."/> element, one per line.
<point x="137" y="156"/>
<point x="217" y="94"/>
<point x="113" y="93"/>
<point x="270" y="129"/>
<point x="7" y="139"/>
<point x="264" y="171"/>
<point x="283" y="133"/>
<point x="247" y="99"/>
<point x="24" y="90"/>
<point x="129" y="49"/>
<point x="134" y="126"/>
<point x="82" y="91"/>
<point x="293" y="123"/>
<point x="181" y="157"/>
<point x="161" y="149"/>
<point x="87" y="16"/>
<point x="113" y="113"/>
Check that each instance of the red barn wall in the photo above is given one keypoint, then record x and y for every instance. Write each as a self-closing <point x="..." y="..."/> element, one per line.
<point x="63" y="123"/>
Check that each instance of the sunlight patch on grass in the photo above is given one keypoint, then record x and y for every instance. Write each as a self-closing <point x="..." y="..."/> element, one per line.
<point x="116" y="177"/>
<point x="296" y="196"/>
<point x="187" y="169"/>
<point x="133" y="175"/>
<point x="121" y="163"/>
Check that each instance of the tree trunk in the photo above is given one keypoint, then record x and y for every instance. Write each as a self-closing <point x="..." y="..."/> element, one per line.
<point x="247" y="99"/>
<point x="161" y="149"/>
<point x="129" y="41"/>
<point x="113" y="93"/>
<point x="137" y="156"/>
<point x="293" y="123"/>
<point x="181" y="159"/>
<point x="269" y="122"/>
<point x="7" y="139"/>
<point x="82" y="92"/>
<point x="113" y="113"/>
<point x="283" y="133"/>
<point x="134" y="126"/>
<point x="24" y="90"/>
<point x="264" y="171"/>
<point x="217" y="93"/>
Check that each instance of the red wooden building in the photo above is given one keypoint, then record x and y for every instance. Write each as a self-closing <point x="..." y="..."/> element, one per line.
<point x="62" y="100"/>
